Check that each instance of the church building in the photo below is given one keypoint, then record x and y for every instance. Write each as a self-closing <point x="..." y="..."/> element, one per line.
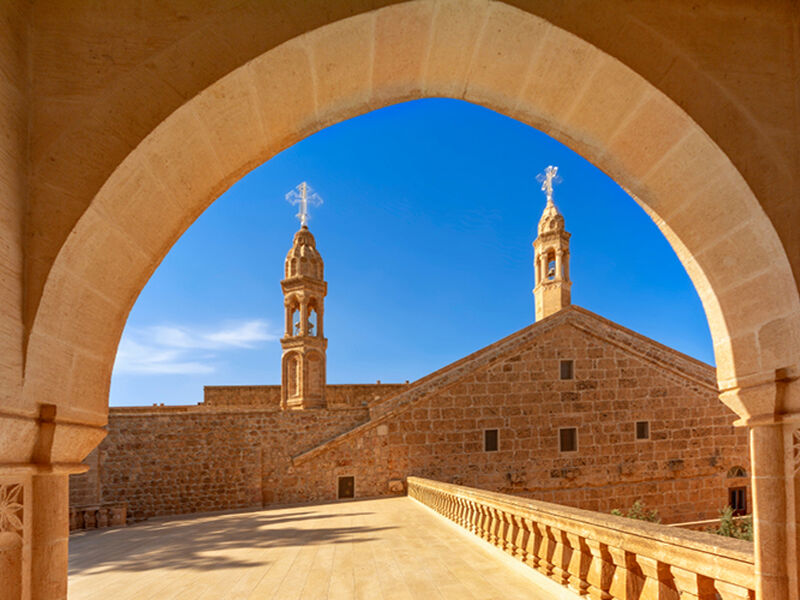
<point x="572" y="409"/>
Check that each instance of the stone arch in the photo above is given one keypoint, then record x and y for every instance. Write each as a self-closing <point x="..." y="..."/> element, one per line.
<point x="487" y="53"/>
<point x="736" y="471"/>
<point x="292" y="365"/>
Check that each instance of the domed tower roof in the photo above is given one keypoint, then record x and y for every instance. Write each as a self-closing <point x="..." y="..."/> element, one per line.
<point x="551" y="221"/>
<point x="303" y="259"/>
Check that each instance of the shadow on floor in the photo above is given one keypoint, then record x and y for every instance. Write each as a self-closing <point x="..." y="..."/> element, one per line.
<point x="199" y="543"/>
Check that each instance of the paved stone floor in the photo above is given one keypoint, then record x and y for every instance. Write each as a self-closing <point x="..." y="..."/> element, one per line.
<point x="391" y="548"/>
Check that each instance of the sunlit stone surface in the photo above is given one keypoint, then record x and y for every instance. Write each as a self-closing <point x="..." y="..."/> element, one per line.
<point x="390" y="548"/>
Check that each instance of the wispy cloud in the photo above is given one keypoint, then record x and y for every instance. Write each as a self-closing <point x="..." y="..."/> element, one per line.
<point x="182" y="350"/>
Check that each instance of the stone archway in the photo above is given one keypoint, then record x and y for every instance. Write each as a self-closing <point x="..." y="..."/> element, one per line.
<point x="486" y="53"/>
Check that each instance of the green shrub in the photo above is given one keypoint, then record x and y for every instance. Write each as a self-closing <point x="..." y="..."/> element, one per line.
<point x="639" y="511"/>
<point x="741" y="529"/>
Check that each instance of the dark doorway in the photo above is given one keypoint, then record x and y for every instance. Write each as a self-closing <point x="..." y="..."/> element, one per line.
<point x="347" y="487"/>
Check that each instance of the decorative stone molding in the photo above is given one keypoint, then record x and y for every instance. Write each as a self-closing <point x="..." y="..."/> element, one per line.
<point x="11" y="508"/>
<point x="592" y="553"/>
<point x="796" y="450"/>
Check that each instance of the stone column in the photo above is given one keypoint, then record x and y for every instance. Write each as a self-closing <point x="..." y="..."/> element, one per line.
<point x="49" y="535"/>
<point x="304" y="317"/>
<point x="34" y="500"/>
<point x="772" y="461"/>
<point x="289" y="324"/>
<point x="558" y="264"/>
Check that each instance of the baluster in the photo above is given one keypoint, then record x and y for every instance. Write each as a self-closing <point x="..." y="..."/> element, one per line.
<point x="693" y="586"/>
<point x="522" y="539"/>
<point x="559" y="555"/>
<point x="730" y="591"/>
<point x="578" y="564"/>
<point x="658" y="581"/>
<point x="471" y="517"/>
<point x="474" y="516"/>
<point x="601" y="571"/>
<point x="486" y="522"/>
<point x="491" y="529"/>
<point x="502" y="529"/>
<point x="463" y="513"/>
<point x="619" y="585"/>
<point x="512" y="534"/>
<point x="539" y="549"/>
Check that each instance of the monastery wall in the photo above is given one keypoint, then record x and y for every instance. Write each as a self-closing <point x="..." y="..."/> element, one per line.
<point x="681" y="470"/>
<point x="169" y="460"/>
<point x="269" y="396"/>
<point x="164" y="462"/>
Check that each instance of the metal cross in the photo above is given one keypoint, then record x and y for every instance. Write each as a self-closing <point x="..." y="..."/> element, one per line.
<point x="303" y="195"/>
<point x="548" y="178"/>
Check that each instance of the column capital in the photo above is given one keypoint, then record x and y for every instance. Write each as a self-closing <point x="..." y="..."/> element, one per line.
<point x="766" y="400"/>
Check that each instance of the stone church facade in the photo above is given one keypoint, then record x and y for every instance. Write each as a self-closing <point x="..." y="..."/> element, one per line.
<point x="573" y="409"/>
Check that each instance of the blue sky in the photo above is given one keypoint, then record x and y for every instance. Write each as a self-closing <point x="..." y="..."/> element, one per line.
<point x="430" y="208"/>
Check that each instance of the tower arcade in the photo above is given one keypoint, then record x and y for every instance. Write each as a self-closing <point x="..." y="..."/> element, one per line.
<point x="551" y="256"/>
<point x="303" y="343"/>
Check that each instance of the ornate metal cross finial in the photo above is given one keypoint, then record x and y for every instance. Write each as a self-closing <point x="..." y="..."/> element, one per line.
<point x="304" y="196"/>
<point x="548" y="178"/>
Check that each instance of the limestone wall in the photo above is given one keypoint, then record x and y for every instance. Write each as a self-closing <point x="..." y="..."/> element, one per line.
<point x="166" y="461"/>
<point x="85" y="489"/>
<point x="269" y="396"/>
<point x="681" y="470"/>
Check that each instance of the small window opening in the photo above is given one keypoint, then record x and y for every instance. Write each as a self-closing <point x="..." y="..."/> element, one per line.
<point x="642" y="430"/>
<point x="567" y="369"/>
<point x="490" y="440"/>
<point x="737" y="499"/>
<point x="347" y="487"/>
<point x="737" y="472"/>
<point x="568" y="439"/>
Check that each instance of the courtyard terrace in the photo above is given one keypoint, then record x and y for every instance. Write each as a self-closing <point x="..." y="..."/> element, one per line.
<point x="392" y="548"/>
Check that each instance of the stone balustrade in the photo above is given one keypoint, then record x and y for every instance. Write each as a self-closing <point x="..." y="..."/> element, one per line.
<point x="97" y="516"/>
<point x="598" y="555"/>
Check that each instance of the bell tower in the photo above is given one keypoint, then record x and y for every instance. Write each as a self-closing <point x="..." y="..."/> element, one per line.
<point x="551" y="255"/>
<point x="304" y="344"/>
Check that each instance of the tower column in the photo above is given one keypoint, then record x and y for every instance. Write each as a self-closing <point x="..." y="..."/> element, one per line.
<point x="304" y="317"/>
<point x="558" y="264"/>
<point x="288" y="312"/>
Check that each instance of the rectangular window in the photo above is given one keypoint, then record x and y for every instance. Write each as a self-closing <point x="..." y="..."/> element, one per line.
<point x="567" y="369"/>
<point x="642" y="430"/>
<point x="737" y="499"/>
<point x="568" y="439"/>
<point x="347" y="487"/>
<point x="490" y="440"/>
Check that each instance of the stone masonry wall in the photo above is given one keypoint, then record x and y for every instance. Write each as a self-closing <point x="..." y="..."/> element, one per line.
<point x="166" y="462"/>
<point x="681" y="469"/>
<point x="85" y="489"/>
<point x="269" y="396"/>
<point x="169" y="460"/>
